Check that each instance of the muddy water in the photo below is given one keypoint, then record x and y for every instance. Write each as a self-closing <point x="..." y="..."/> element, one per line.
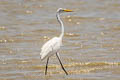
<point x="91" y="48"/>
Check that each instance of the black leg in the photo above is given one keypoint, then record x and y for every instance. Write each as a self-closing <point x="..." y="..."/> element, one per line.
<point x="61" y="64"/>
<point x="46" y="66"/>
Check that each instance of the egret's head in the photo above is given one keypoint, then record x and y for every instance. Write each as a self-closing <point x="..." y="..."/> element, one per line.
<point x="61" y="10"/>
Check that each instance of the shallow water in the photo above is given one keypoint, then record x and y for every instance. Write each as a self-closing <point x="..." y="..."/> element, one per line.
<point x="91" y="48"/>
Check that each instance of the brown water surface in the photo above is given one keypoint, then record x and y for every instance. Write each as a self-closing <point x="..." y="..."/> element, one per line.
<point x="91" y="48"/>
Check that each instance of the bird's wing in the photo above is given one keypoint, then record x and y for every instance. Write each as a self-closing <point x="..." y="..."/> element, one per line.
<point x="48" y="47"/>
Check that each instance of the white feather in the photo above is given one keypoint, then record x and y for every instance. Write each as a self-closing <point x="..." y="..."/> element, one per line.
<point x="50" y="47"/>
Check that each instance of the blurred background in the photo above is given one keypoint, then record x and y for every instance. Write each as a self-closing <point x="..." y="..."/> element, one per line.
<point x="91" y="48"/>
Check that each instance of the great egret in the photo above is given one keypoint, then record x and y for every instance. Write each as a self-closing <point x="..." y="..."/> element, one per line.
<point x="53" y="46"/>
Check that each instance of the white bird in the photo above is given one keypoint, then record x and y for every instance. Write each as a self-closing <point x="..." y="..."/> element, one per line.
<point x="53" y="46"/>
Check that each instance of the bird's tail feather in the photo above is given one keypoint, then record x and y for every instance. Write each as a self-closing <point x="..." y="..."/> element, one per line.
<point x="41" y="57"/>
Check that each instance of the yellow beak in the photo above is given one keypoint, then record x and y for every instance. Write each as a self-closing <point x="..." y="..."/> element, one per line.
<point x="68" y="10"/>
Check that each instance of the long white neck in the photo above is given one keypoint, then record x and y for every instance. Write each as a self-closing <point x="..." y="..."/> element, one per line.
<point x="61" y="24"/>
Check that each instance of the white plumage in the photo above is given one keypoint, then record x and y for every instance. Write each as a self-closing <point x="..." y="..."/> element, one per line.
<point x="52" y="46"/>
